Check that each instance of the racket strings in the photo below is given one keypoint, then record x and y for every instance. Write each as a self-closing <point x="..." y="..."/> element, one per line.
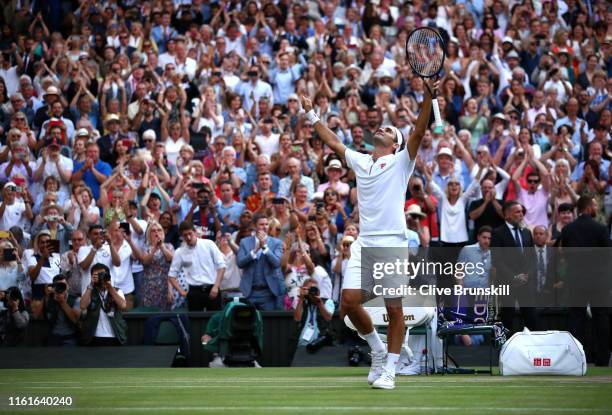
<point x="424" y="52"/>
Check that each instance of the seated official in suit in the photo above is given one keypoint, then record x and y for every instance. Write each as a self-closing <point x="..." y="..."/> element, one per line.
<point x="259" y="257"/>
<point x="203" y="265"/>
<point x="512" y="257"/>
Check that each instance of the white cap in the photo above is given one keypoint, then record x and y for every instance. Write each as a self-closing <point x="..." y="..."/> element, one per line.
<point x="445" y="151"/>
<point x="83" y="132"/>
<point x="149" y="134"/>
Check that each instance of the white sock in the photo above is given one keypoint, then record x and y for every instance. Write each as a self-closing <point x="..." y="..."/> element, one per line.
<point x="392" y="359"/>
<point x="374" y="341"/>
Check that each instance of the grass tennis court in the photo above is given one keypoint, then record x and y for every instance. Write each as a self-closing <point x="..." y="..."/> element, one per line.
<point x="298" y="390"/>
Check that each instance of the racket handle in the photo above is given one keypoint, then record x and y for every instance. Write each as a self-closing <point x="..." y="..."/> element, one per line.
<point x="436" y="111"/>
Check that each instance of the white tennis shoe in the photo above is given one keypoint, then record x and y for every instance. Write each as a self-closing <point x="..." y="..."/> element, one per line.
<point x="378" y="362"/>
<point x="385" y="381"/>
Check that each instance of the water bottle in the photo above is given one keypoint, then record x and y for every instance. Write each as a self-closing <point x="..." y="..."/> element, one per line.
<point x="423" y="362"/>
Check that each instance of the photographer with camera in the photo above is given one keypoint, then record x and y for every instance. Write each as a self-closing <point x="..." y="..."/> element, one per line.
<point x="62" y="311"/>
<point x="101" y="311"/>
<point x="13" y="317"/>
<point x="314" y="314"/>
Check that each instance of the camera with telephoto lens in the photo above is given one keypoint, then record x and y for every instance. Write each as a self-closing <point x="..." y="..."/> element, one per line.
<point x="103" y="277"/>
<point x="205" y="202"/>
<point x="355" y="356"/>
<point x="313" y="292"/>
<point x="59" y="287"/>
<point x="12" y="293"/>
<point x="323" y="340"/>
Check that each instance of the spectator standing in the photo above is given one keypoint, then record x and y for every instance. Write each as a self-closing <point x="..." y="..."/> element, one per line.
<point x="203" y="265"/>
<point x="259" y="257"/>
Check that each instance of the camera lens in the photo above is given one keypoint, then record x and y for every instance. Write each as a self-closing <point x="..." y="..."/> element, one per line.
<point x="59" y="287"/>
<point x="355" y="356"/>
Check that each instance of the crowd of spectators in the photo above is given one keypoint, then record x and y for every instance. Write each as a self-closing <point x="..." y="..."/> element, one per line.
<point x="120" y="120"/>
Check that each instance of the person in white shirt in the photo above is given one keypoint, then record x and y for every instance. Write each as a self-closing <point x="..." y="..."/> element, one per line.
<point x="12" y="208"/>
<point x="382" y="179"/>
<point x="203" y="265"/>
<point x="102" y="297"/>
<point x="53" y="163"/>
<point x="43" y="265"/>
<point x="253" y="89"/>
<point x="99" y="252"/>
<point x="123" y="278"/>
<point x="268" y="141"/>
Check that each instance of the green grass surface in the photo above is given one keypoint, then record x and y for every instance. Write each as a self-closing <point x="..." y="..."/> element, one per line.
<point x="297" y="390"/>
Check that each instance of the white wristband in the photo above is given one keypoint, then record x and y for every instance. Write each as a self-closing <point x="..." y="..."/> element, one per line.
<point x="312" y="117"/>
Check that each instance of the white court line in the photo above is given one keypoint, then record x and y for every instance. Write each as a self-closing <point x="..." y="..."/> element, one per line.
<point x="370" y="409"/>
<point x="281" y="380"/>
<point x="317" y="387"/>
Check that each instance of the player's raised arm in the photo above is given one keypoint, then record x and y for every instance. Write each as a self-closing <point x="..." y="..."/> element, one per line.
<point x="414" y="142"/>
<point x="327" y="135"/>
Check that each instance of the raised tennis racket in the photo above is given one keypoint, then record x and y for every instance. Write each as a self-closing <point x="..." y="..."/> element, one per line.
<point x="425" y="52"/>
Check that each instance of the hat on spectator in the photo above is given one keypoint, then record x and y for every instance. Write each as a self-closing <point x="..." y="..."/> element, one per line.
<point x="507" y="39"/>
<point x="149" y="134"/>
<point x="354" y="68"/>
<point x="293" y="97"/>
<point x="187" y="147"/>
<point x="445" y="151"/>
<point x="383" y="73"/>
<point x="500" y="116"/>
<point x="112" y="117"/>
<point x="415" y="210"/>
<point x="336" y="165"/>
<point x="564" y="51"/>
<point x="83" y="132"/>
<point x="348" y="239"/>
<point x="52" y="90"/>
<point x="9" y="184"/>
<point x="385" y="89"/>
<point x="512" y="55"/>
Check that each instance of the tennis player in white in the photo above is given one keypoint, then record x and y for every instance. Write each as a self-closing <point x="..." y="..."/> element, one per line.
<point x="382" y="180"/>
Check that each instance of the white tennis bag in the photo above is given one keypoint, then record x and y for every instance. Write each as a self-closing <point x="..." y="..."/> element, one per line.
<point x="542" y="353"/>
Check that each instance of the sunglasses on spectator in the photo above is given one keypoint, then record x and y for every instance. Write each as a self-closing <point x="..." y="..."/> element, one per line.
<point x="533" y="181"/>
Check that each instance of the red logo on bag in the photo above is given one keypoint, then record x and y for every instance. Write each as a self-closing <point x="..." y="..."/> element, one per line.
<point x="537" y="361"/>
<point x="546" y="362"/>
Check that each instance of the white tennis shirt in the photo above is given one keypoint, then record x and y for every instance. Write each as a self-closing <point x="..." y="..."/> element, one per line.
<point x="381" y="191"/>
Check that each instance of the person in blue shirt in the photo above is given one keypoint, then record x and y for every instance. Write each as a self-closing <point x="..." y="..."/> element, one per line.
<point x="229" y="210"/>
<point x="92" y="171"/>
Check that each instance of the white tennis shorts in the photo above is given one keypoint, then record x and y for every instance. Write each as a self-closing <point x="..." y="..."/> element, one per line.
<point x="354" y="278"/>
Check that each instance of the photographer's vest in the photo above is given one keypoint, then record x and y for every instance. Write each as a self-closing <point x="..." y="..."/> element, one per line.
<point x="90" y="323"/>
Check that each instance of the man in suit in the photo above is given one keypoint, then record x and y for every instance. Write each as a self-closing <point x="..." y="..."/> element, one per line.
<point x="513" y="265"/>
<point x="259" y="257"/>
<point x="547" y="282"/>
<point x="588" y="277"/>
